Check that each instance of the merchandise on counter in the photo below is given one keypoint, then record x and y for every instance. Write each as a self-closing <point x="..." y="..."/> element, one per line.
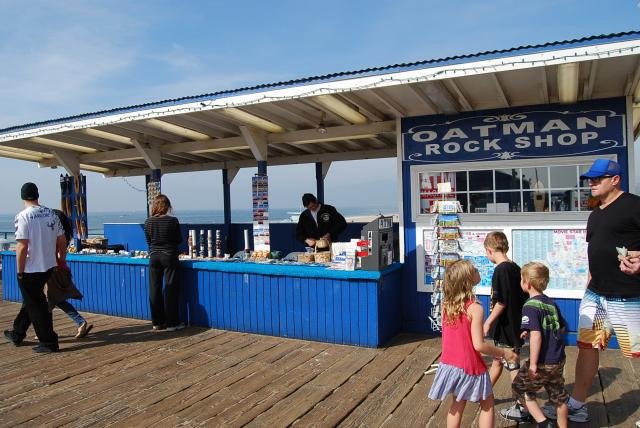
<point x="246" y="240"/>
<point x="202" y="253"/>
<point x="218" y="244"/>
<point x="209" y="244"/>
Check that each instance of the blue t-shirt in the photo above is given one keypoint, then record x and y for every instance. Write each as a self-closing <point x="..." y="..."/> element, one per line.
<point x="540" y="313"/>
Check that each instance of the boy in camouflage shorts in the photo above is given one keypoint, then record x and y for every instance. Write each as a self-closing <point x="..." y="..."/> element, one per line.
<point x="543" y="323"/>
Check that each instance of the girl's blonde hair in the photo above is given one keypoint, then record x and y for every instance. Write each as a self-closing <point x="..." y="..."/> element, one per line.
<point x="458" y="288"/>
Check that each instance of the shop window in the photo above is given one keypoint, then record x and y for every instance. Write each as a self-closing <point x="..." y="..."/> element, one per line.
<point x="511" y="190"/>
<point x="564" y="177"/>
<point x="481" y="180"/>
<point x="508" y="179"/>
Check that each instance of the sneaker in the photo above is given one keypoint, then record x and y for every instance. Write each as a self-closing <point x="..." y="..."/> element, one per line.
<point x="638" y="424"/>
<point x="177" y="327"/>
<point x="45" y="349"/>
<point x="575" y="415"/>
<point x="83" y="330"/>
<point x="13" y="337"/>
<point x="157" y="327"/>
<point x="517" y="413"/>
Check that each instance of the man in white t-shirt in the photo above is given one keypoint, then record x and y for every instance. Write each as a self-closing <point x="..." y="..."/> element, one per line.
<point x="40" y="244"/>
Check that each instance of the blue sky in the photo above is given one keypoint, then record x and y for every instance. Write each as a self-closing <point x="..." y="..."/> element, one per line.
<point x="68" y="57"/>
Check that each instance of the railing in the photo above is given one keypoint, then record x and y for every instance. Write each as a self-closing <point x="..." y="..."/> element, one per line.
<point x="5" y="235"/>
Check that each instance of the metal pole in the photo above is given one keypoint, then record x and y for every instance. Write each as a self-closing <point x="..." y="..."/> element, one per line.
<point x="319" y="183"/>
<point x="226" y="198"/>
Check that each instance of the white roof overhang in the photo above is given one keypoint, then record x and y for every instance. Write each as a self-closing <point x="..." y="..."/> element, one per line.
<point x="348" y="118"/>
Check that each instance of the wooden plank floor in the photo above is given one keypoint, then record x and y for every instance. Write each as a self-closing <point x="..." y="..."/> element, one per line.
<point x="125" y="375"/>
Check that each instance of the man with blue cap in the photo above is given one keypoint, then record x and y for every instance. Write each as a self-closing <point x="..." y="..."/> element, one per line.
<point x="611" y="302"/>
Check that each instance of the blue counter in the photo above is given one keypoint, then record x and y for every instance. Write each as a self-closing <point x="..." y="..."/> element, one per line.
<point x="304" y="302"/>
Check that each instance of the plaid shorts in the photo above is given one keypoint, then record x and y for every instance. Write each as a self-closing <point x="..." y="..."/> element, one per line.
<point x="549" y="377"/>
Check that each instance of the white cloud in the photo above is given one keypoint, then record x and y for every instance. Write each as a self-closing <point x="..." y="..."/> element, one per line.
<point x="58" y="68"/>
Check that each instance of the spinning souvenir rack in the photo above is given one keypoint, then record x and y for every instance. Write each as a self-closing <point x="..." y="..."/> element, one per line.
<point x="445" y="252"/>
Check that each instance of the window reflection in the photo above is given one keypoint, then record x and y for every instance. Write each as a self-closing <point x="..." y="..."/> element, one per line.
<point x="478" y="202"/>
<point x="563" y="177"/>
<point x="511" y="199"/>
<point x="508" y="179"/>
<point x="532" y="177"/>
<point x="481" y="180"/>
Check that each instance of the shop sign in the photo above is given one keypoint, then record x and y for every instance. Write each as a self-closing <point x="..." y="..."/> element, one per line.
<point x="553" y="130"/>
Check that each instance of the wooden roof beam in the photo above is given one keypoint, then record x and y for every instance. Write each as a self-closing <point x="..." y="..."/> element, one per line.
<point x="461" y="97"/>
<point x="587" y="88"/>
<point x="441" y="97"/>
<point x="502" y="97"/>
<point x="180" y="131"/>
<point x="340" y="108"/>
<point x="424" y="100"/>
<point x="109" y="136"/>
<point x="634" y="87"/>
<point x="372" y="112"/>
<point x="298" y="114"/>
<point x="256" y="142"/>
<point x="68" y="160"/>
<point x="247" y="118"/>
<point x="568" y="81"/>
<point x="250" y="163"/>
<point x="61" y="145"/>
<point x="544" y="85"/>
<point x="152" y="157"/>
<point x="396" y="109"/>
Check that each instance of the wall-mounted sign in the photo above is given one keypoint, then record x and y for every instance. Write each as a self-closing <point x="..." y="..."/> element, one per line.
<point x="586" y="128"/>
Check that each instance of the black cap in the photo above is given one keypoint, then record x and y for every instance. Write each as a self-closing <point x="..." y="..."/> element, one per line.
<point x="29" y="192"/>
<point x="307" y="198"/>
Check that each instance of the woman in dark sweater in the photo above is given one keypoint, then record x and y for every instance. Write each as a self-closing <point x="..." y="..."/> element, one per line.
<point x="163" y="237"/>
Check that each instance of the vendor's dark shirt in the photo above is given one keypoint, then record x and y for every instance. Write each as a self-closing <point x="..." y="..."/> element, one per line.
<point x="617" y="225"/>
<point x="329" y="221"/>
<point x="540" y="313"/>
<point x="505" y="289"/>
<point x="163" y="235"/>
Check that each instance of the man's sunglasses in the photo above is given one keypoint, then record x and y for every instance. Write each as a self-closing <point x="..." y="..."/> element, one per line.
<point x="599" y="179"/>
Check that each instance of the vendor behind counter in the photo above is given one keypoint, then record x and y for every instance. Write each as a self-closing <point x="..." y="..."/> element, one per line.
<point x="318" y="221"/>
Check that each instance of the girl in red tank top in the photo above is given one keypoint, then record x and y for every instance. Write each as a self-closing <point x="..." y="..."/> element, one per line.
<point x="461" y="371"/>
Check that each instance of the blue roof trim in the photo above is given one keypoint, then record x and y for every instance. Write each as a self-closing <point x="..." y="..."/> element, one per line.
<point x="452" y="60"/>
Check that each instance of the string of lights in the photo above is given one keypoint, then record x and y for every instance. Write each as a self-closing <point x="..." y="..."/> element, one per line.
<point x="132" y="186"/>
<point x="453" y="71"/>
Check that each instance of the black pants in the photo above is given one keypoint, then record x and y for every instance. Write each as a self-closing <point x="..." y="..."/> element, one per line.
<point x="35" y="309"/>
<point x="164" y="308"/>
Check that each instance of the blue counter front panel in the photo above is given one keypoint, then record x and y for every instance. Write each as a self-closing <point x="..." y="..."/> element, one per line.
<point x="357" y="308"/>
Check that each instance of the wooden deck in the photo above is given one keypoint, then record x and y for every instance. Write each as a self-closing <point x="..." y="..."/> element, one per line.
<point x="125" y="375"/>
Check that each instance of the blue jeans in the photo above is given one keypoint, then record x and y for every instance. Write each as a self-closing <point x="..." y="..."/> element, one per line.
<point x="71" y="312"/>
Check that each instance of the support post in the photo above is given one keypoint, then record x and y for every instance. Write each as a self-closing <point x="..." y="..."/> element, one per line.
<point x="228" y="174"/>
<point x="262" y="167"/>
<point x="321" y="172"/>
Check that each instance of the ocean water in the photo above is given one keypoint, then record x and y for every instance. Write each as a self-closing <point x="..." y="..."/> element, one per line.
<point x="96" y="220"/>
